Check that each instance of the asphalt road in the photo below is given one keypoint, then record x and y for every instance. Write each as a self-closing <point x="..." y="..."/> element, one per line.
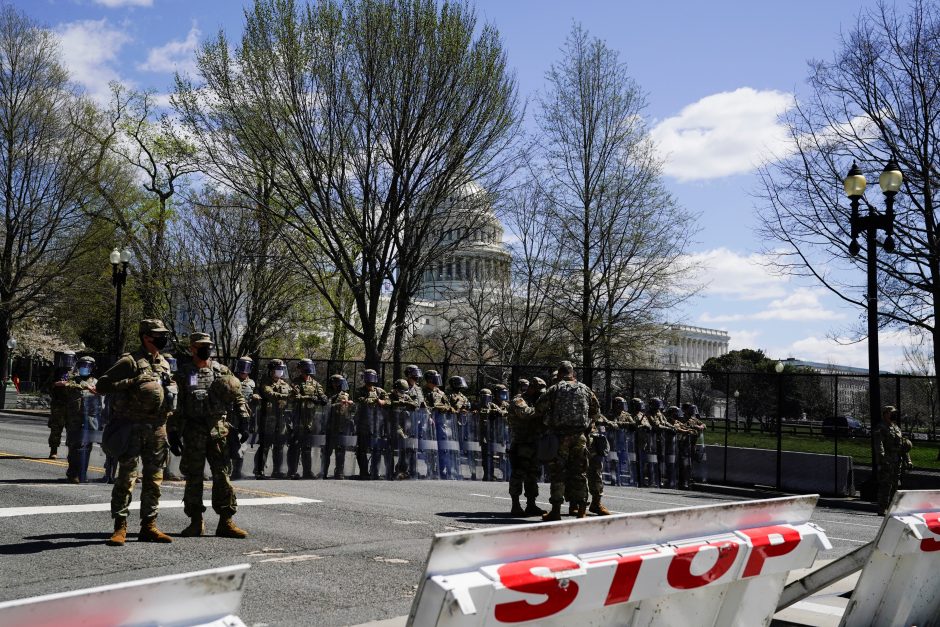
<point x="353" y="556"/>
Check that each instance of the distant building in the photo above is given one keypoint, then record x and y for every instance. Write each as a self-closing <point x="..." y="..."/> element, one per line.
<point x="851" y="389"/>
<point x="690" y="347"/>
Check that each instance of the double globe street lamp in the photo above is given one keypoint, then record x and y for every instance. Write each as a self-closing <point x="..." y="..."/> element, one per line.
<point x="119" y="260"/>
<point x="890" y="182"/>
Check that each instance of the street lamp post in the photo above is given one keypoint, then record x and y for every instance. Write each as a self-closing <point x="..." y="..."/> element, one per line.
<point x="9" y="388"/>
<point x="119" y="260"/>
<point x="890" y="182"/>
<point x="779" y="370"/>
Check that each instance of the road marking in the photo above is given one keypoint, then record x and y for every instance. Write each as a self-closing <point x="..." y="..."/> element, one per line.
<point x="8" y="512"/>
<point x="488" y="496"/>
<point x="850" y="540"/>
<point x="41" y="460"/>
<point x="292" y="558"/>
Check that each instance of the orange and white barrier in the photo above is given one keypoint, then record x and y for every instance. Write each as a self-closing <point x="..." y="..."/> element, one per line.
<point x="712" y="565"/>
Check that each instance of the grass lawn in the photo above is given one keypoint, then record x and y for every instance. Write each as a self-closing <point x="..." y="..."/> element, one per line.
<point x="924" y="454"/>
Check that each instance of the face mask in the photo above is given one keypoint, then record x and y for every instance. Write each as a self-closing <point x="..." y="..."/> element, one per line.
<point x="203" y="352"/>
<point x="160" y="341"/>
<point x="278" y="373"/>
<point x="84" y="371"/>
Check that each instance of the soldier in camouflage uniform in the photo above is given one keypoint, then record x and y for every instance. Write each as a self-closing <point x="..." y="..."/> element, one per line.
<point x="458" y="404"/>
<point x="498" y="433"/>
<point x="305" y="394"/>
<point x="644" y="439"/>
<point x="411" y="400"/>
<point x="524" y="429"/>
<point x="139" y="383"/>
<point x="487" y="413"/>
<point x="436" y="401"/>
<point x="243" y="370"/>
<point x="272" y="420"/>
<point x="58" y="399"/>
<point x="689" y="429"/>
<point x="369" y="396"/>
<point x="892" y="447"/>
<point x="661" y="430"/>
<point x="75" y="389"/>
<point x="568" y="408"/>
<point x="198" y="432"/>
<point x="401" y="405"/>
<point x="336" y="426"/>
<point x="600" y="449"/>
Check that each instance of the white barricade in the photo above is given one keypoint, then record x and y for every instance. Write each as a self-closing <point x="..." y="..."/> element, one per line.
<point x="712" y="565"/>
<point x="898" y="585"/>
<point x="207" y="597"/>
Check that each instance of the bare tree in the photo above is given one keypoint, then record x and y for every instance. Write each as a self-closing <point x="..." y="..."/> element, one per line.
<point x="43" y="168"/>
<point x="374" y="114"/>
<point x="621" y="233"/>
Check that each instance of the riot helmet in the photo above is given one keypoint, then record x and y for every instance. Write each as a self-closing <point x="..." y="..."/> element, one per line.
<point x="486" y="397"/>
<point x="433" y="377"/>
<point x="86" y="365"/>
<point x="636" y="406"/>
<point x="620" y="404"/>
<point x="65" y="359"/>
<point x="656" y="404"/>
<point x="307" y="366"/>
<point x="502" y="393"/>
<point x="401" y="385"/>
<point x="674" y="412"/>
<point x="370" y="376"/>
<point x="339" y="383"/>
<point x="277" y="369"/>
<point x="457" y="383"/>
<point x="523" y="385"/>
<point x="412" y="372"/>
<point x="686" y="408"/>
<point x="244" y="365"/>
<point x="693" y="411"/>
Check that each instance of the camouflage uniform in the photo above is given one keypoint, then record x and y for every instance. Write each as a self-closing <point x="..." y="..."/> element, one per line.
<point x="76" y="389"/>
<point x="600" y="447"/>
<point x="436" y="401"/>
<point x="368" y="397"/>
<point x="241" y="425"/>
<point x="891" y="444"/>
<point x="524" y="428"/>
<point x="58" y="415"/>
<point x="272" y="426"/>
<point x="136" y="383"/>
<point x="487" y="417"/>
<point x="201" y="420"/>
<point x="661" y="430"/>
<point x="305" y="393"/>
<point x="568" y="470"/>
<point x="403" y="403"/>
<point x="337" y="425"/>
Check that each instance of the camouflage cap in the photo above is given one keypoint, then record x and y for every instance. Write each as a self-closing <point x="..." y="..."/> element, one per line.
<point x="499" y="386"/>
<point x="149" y="326"/>
<point x="275" y="363"/>
<point x="401" y="385"/>
<point x="200" y="339"/>
<point x="485" y="392"/>
<point x="87" y="359"/>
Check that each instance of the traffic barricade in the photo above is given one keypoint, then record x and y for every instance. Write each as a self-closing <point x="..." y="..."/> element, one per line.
<point x="710" y="565"/>
<point x="207" y="597"/>
<point x="898" y="584"/>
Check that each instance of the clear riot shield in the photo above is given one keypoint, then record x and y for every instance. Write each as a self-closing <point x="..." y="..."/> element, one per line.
<point x="649" y="459"/>
<point x="316" y="439"/>
<point x="348" y="439"/>
<point x="700" y="460"/>
<point x="381" y="461"/>
<point x="428" y="457"/>
<point x="667" y="459"/>
<point x="626" y="453"/>
<point x="469" y="440"/>
<point x="498" y="442"/>
<point x="448" y="446"/>
<point x="89" y="434"/>
<point x="405" y="439"/>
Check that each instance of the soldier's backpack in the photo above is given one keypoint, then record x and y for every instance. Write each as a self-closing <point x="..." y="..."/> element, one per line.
<point x="571" y="409"/>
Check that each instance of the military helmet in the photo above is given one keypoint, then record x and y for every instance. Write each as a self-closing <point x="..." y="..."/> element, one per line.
<point x="339" y="381"/>
<point x="486" y="397"/>
<point x="275" y="363"/>
<point x="656" y="404"/>
<point x="226" y="388"/>
<point x="636" y="405"/>
<point x="87" y="362"/>
<point x="86" y="359"/>
<point x="433" y="376"/>
<point x="502" y="392"/>
<point x="619" y="404"/>
<point x="307" y="366"/>
<point x="674" y="412"/>
<point x="65" y="359"/>
<point x="686" y="408"/>
<point x="523" y="385"/>
<point x="244" y="365"/>
<point x="457" y="383"/>
<point x="412" y="372"/>
<point x="370" y="376"/>
<point x="693" y="410"/>
<point x="277" y="368"/>
<point x="401" y="385"/>
<point x="538" y="384"/>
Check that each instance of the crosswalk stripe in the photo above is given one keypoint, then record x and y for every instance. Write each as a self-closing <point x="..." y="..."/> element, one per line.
<point x="9" y="512"/>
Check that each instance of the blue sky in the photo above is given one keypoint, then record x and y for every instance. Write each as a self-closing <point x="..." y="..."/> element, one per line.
<point x="718" y="74"/>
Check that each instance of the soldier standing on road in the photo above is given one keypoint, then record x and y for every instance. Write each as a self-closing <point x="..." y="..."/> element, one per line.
<point x="243" y="370"/>
<point x="138" y="385"/>
<point x="198" y="433"/>
<point x="568" y="409"/>
<point x="488" y="414"/>
<point x="600" y="450"/>
<point x="524" y="429"/>
<point x="645" y="441"/>
<point x="408" y="457"/>
<point x="58" y="400"/>
<point x="272" y="420"/>
<point x="369" y="398"/>
<point x="306" y="393"/>
<point x="336" y="426"/>
<point x="402" y="405"/>
<point x="499" y="434"/>
<point x="82" y="408"/>
<point x="891" y="450"/>
<point x="436" y="401"/>
<point x="661" y="430"/>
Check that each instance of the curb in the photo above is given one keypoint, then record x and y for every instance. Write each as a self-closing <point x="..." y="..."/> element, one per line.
<point x="853" y="504"/>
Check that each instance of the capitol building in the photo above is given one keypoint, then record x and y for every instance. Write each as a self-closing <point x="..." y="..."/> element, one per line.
<point x="483" y="261"/>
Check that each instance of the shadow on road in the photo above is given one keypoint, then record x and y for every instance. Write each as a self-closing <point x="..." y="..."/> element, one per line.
<point x="39" y="546"/>
<point x="487" y="518"/>
<point x="11" y="481"/>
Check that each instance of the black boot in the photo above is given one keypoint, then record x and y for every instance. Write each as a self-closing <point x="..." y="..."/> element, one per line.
<point x="531" y="509"/>
<point x="517" y="510"/>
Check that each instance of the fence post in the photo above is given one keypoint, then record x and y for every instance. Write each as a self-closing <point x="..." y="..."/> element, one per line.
<point x="835" y="451"/>
<point x="727" y="402"/>
<point x="779" y="431"/>
<point x="678" y="388"/>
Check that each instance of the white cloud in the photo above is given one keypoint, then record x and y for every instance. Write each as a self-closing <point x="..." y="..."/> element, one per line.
<point x="840" y="352"/>
<point x="174" y="56"/>
<point x="724" y="134"/>
<point x="89" y="50"/>
<point x="742" y="338"/>
<point x="113" y="4"/>
<point x="802" y="305"/>
<point x="740" y="277"/>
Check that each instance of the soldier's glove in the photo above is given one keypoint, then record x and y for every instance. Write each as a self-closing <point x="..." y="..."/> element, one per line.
<point x="243" y="436"/>
<point x="282" y="404"/>
<point x="176" y="443"/>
